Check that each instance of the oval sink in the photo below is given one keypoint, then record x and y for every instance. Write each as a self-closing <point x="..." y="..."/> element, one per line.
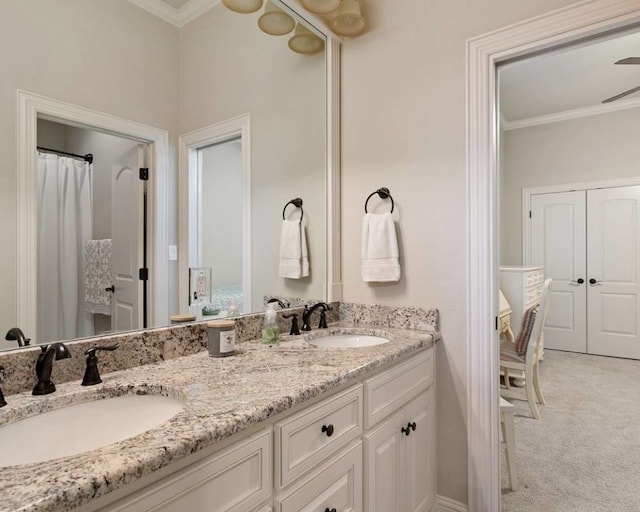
<point x="348" y="341"/>
<point x="82" y="427"/>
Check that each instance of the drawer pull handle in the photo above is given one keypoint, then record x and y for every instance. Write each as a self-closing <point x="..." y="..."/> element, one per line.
<point x="330" y="510"/>
<point x="329" y="430"/>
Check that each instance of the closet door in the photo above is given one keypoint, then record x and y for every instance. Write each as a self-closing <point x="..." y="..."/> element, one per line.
<point x="613" y="217"/>
<point x="558" y="243"/>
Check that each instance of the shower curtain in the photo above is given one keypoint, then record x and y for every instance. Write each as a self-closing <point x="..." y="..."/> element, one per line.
<point x="64" y="227"/>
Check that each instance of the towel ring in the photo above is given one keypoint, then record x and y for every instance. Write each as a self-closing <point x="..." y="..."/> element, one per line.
<point x="384" y="193"/>
<point x="297" y="202"/>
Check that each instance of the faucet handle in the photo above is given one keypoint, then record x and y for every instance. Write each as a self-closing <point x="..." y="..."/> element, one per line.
<point x="3" y="402"/>
<point x="91" y="374"/>
<point x="91" y="351"/>
<point x="295" y="330"/>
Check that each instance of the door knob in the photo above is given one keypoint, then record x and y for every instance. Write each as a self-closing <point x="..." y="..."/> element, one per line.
<point x="580" y="281"/>
<point x="577" y="282"/>
<point x="111" y="289"/>
<point x="593" y="281"/>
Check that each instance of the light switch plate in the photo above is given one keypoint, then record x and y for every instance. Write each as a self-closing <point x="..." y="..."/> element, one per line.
<point x="173" y="252"/>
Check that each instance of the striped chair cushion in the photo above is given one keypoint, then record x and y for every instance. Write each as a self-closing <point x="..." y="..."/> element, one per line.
<point x="508" y="353"/>
<point x="529" y="318"/>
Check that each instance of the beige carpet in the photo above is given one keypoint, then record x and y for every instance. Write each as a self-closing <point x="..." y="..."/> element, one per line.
<point x="584" y="454"/>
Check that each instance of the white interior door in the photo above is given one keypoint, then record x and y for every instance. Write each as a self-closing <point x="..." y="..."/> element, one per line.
<point x="558" y="243"/>
<point x="613" y="217"/>
<point x="127" y="240"/>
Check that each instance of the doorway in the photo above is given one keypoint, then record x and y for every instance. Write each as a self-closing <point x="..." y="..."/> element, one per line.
<point x="554" y="29"/>
<point x="91" y="233"/>
<point x="31" y="108"/>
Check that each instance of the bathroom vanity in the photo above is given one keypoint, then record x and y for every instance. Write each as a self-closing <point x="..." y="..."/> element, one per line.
<point x="288" y="428"/>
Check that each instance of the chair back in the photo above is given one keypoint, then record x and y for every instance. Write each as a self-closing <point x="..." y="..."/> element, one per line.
<point x="535" y="339"/>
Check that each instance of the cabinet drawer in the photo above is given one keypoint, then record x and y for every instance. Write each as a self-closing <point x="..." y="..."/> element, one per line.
<point x="389" y="391"/>
<point x="533" y="278"/>
<point x="235" y="480"/>
<point x="532" y="296"/>
<point x="306" y="438"/>
<point x="338" y="485"/>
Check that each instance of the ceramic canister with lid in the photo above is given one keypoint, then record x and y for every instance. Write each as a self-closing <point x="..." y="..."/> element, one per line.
<point x="221" y="335"/>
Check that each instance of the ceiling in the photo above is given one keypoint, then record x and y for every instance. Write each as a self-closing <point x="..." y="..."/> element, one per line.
<point x="575" y="79"/>
<point x="176" y="4"/>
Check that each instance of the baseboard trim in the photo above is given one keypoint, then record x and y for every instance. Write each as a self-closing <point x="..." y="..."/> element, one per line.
<point x="448" y="505"/>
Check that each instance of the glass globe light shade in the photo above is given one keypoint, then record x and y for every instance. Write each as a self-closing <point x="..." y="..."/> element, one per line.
<point x="349" y="21"/>
<point x="275" y="21"/>
<point x="243" y="6"/>
<point x="304" y="41"/>
<point x="321" y="6"/>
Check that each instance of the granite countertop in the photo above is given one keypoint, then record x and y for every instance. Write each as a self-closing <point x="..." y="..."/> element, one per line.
<point x="222" y="396"/>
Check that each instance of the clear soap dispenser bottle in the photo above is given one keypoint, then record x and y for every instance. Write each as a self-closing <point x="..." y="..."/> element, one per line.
<point x="270" y="327"/>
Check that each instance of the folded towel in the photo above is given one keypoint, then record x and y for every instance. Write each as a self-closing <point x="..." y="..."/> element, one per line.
<point x="379" y="248"/>
<point x="294" y="257"/>
<point x="97" y="276"/>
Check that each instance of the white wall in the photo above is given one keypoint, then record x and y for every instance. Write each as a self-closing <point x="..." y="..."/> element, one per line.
<point x="284" y="94"/>
<point x="106" y="55"/>
<point x="403" y="126"/>
<point x="586" y="149"/>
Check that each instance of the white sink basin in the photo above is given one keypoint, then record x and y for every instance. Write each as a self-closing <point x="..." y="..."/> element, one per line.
<point x="82" y="427"/>
<point x="348" y="341"/>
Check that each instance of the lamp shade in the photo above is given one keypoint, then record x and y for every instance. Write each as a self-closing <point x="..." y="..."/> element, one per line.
<point x="243" y="6"/>
<point x="275" y="21"/>
<point x="305" y="41"/>
<point x="321" y="6"/>
<point x="349" y="21"/>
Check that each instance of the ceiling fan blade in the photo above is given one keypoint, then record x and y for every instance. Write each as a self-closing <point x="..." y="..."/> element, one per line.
<point x="621" y="95"/>
<point x="629" y="60"/>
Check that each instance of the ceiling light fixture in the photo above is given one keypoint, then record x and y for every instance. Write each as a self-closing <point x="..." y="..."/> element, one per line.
<point x="275" y="21"/>
<point x="243" y="6"/>
<point x="349" y="21"/>
<point x="321" y="6"/>
<point x="304" y="41"/>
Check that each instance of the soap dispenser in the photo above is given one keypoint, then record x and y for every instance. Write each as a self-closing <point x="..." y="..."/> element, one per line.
<point x="270" y="327"/>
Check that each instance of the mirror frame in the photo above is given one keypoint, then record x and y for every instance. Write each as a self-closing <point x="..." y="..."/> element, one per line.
<point x="333" y="286"/>
<point x="32" y="107"/>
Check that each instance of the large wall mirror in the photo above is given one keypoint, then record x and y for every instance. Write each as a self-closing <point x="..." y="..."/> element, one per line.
<point x="240" y="180"/>
<point x="249" y="157"/>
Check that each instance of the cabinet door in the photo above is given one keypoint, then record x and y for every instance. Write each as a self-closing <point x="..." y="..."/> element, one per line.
<point x="419" y="446"/>
<point x="337" y="486"/>
<point x="235" y="480"/>
<point x="384" y="467"/>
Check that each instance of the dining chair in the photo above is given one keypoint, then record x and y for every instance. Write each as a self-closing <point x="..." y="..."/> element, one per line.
<point x="524" y="354"/>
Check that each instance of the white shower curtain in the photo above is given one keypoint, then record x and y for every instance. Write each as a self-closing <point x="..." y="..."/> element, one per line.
<point x="64" y="227"/>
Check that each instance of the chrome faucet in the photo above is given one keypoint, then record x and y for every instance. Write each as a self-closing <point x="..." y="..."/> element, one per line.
<point x="16" y="334"/>
<point x="306" y="315"/>
<point x="44" y="367"/>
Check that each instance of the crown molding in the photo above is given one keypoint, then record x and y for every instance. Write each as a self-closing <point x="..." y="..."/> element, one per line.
<point x="194" y="8"/>
<point x="567" y="115"/>
<point x="177" y="17"/>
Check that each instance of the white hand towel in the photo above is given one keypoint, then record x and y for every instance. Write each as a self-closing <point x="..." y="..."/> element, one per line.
<point x="97" y="276"/>
<point x="294" y="258"/>
<point x="380" y="261"/>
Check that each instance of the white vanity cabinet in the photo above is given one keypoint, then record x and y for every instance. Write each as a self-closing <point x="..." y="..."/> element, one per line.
<point x="370" y="447"/>
<point x="238" y="479"/>
<point x="399" y="452"/>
